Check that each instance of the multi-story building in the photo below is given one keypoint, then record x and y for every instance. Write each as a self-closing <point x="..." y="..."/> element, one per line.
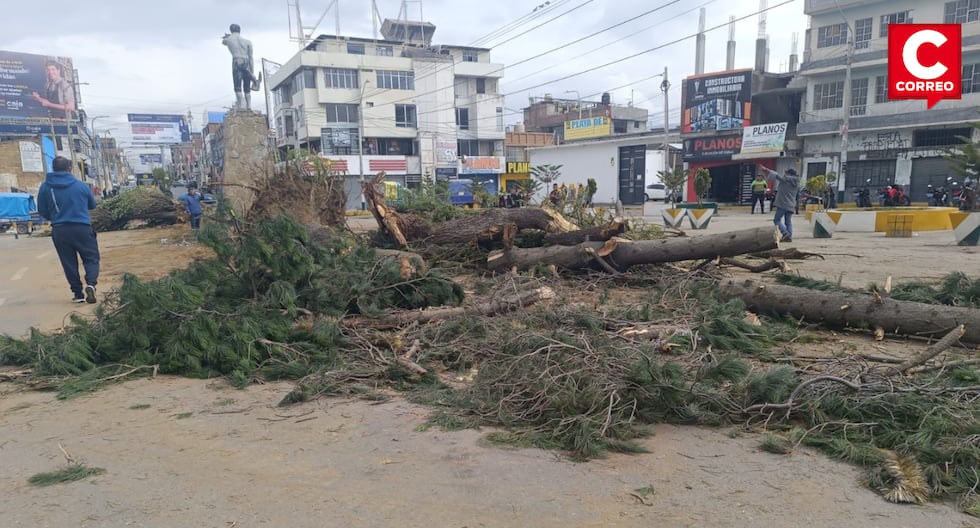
<point x="516" y="143"/>
<point x="398" y="104"/>
<point x="888" y="141"/>
<point x="555" y="116"/>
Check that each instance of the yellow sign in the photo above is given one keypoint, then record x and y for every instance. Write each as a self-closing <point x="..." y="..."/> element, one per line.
<point x="590" y="127"/>
<point x="518" y="167"/>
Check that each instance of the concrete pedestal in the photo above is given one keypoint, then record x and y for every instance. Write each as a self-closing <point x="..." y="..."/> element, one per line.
<point x="247" y="158"/>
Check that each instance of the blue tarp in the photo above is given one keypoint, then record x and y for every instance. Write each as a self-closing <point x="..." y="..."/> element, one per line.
<point x="17" y="206"/>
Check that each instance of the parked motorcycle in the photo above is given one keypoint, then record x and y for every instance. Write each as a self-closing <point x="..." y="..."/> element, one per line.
<point x="893" y="196"/>
<point x="862" y="196"/>
<point x="939" y="196"/>
<point x="967" y="199"/>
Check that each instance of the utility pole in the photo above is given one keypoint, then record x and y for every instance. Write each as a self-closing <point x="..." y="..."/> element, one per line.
<point x="665" y="86"/>
<point x="71" y="141"/>
<point x="360" y="141"/>
<point x="847" y="115"/>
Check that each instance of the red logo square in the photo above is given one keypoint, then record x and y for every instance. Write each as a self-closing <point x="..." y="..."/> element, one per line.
<point x="925" y="62"/>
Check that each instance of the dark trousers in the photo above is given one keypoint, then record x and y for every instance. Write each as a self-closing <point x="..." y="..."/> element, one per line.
<point x="195" y="220"/>
<point x="72" y="241"/>
<point x="761" y="198"/>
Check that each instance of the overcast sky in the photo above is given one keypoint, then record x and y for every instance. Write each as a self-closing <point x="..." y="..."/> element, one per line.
<point x="167" y="57"/>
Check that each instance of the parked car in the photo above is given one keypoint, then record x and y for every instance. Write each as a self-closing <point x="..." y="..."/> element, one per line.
<point x="208" y="199"/>
<point x="656" y="191"/>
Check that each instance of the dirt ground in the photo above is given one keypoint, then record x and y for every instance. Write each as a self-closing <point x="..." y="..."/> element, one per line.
<point x="181" y="452"/>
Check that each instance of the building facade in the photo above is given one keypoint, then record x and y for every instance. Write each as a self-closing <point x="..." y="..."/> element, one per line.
<point x="572" y="120"/>
<point x="888" y="141"/>
<point x="400" y="104"/>
<point x="516" y="144"/>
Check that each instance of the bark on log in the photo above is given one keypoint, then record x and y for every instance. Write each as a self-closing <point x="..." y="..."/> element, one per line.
<point x="489" y="223"/>
<point x="622" y="254"/>
<point x="497" y="306"/>
<point x="855" y="310"/>
<point x="592" y="234"/>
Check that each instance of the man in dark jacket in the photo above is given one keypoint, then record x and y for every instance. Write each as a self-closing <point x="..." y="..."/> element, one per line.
<point x="66" y="201"/>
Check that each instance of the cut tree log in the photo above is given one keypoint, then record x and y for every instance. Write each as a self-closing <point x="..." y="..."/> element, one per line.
<point x="844" y="309"/>
<point x="622" y="254"/>
<point x="497" y="306"/>
<point x="593" y="234"/>
<point x="489" y="224"/>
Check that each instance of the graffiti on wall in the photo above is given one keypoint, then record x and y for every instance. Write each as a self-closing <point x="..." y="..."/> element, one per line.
<point x="885" y="145"/>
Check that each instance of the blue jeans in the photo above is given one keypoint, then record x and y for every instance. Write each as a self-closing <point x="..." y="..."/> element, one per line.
<point x="195" y="220"/>
<point x="787" y="229"/>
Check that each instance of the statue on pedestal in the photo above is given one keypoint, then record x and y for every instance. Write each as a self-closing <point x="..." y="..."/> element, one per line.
<point x="242" y="66"/>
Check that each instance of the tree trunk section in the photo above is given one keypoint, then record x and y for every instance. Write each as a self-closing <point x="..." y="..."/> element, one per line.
<point x="593" y="234"/>
<point x="855" y="310"/>
<point x="622" y="254"/>
<point x="489" y="223"/>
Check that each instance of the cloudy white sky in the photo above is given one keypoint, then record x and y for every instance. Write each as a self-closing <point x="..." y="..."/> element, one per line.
<point x="142" y="56"/>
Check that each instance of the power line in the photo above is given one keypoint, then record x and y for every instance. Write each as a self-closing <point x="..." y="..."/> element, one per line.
<point x="510" y="26"/>
<point x="546" y="22"/>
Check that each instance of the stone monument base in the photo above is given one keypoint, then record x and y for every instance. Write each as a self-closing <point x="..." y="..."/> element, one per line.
<point x="248" y="159"/>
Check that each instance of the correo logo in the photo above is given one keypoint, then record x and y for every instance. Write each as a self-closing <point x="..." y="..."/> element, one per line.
<point x="924" y="62"/>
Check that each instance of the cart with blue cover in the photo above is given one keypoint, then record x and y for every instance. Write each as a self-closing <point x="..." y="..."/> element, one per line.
<point x="18" y="211"/>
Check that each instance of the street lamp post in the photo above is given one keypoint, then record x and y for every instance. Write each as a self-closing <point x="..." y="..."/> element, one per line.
<point x="578" y="97"/>
<point x="98" y="149"/>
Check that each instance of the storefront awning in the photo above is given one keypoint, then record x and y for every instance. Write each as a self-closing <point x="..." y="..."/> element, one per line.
<point x="758" y="155"/>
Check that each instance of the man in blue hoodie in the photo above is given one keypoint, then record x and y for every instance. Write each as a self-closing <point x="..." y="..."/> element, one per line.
<point x="66" y="201"/>
<point x="192" y="200"/>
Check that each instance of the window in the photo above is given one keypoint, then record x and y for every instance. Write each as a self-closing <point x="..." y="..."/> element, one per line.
<point x="463" y="118"/>
<point x="636" y="124"/>
<point x="389" y="147"/>
<point x="290" y="127"/>
<point x="355" y="48"/>
<point x="341" y="78"/>
<point x="405" y="116"/>
<point x="971" y="78"/>
<point x="619" y="126"/>
<point x="962" y="11"/>
<point x="833" y="35"/>
<point x="339" y="141"/>
<point x="341" y="113"/>
<point x="396" y="80"/>
<point x="285" y="92"/>
<point x="384" y="51"/>
<point x="862" y="33"/>
<point x="859" y="96"/>
<point x="940" y="137"/>
<point x="828" y="95"/>
<point x="300" y="115"/>
<point x="470" y="56"/>
<point x="500" y="119"/>
<point x="468" y="147"/>
<point x="460" y="87"/>
<point x="516" y="154"/>
<point x="881" y="89"/>
<point x="481" y="85"/>
<point x="880" y="172"/>
<point x="902" y="17"/>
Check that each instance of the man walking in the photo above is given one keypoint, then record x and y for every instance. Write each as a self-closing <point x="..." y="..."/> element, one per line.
<point x="192" y="201"/>
<point x="785" y="202"/>
<point x="65" y="201"/>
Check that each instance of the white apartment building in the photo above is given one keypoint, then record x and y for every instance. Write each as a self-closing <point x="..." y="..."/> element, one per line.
<point x="404" y="105"/>
<point x="888" y="141"/>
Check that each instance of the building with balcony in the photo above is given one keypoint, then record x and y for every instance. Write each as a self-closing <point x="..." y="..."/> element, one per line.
<point x="574" y="119"/>
<point x="888" y="141"/>
<point x="399" y="104"/>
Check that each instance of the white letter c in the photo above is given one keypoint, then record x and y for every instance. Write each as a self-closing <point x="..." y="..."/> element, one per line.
<point x="910" y="54"/>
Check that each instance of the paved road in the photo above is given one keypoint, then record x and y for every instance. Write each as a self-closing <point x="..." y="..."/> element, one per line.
<point x="33" y="289"/>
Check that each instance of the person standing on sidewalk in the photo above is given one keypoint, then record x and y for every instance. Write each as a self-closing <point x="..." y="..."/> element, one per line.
<point x="785" y="202"/>
<point x="759" y="187"/>
<point x="66" y="201"/>
<point x="192" y="200"/>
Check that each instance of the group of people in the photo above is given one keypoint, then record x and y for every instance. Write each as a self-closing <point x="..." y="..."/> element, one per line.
<point x="66" y="202"/>
<point x="569" y="193"/>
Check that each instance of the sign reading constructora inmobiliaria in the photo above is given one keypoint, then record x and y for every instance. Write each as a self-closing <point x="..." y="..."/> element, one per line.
<point x="159" y="129"/>
<point x="37" y="86"/>
<point x="764" y="139"/>
<point x="589" y="127"/>
<point x="716" y="101"/>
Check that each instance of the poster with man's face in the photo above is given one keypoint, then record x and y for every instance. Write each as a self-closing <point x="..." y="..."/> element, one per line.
<point x="37" y="86"/>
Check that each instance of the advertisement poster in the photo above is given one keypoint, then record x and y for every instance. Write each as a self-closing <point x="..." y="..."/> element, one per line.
<point x="590" y="127"/>
<point x="764" y="139"/>
<point x="159" y="129"/>
<point x="716" y="101"/>
<point x="31" y="159"/>
<point x="37" y="86"/>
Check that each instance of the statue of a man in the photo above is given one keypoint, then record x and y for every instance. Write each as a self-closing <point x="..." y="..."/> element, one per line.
<point x="241" y="66"/>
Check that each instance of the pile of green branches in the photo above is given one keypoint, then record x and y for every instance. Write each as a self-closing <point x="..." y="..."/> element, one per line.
<point x="145" y="203"/>
<point x="955" y="289"/>
<point x="235" y="314"/>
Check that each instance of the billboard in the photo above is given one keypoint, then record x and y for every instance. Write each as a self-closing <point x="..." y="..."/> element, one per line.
<point x="159" y="129"/>
<point x="763" y="140"/>
<point x="151" y="159"/>
<point x="590" y="127"/>
<point x="712" y="148"/>
<point x="716" y="101"/>
<point x="36" y="86"/>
